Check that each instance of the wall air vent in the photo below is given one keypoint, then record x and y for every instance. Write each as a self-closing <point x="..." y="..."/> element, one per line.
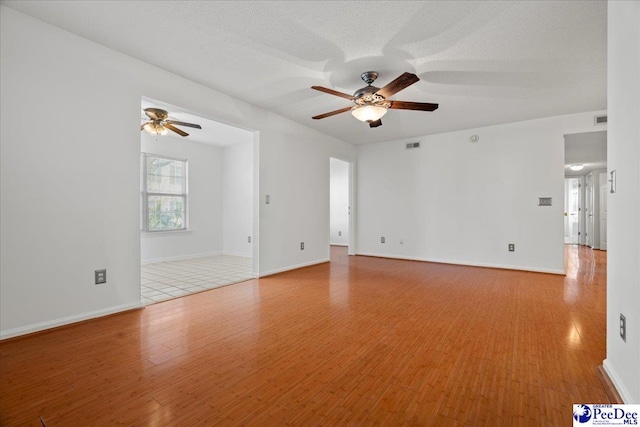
<point x="600" y="120"/>
<point x="411" y="145"/>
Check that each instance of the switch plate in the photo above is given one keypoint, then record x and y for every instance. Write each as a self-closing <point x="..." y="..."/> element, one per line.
<point x="382" y="240"/>
<point x="623" y="327"/>
<point x="249" y="239"/>
<point x="512" y="247"/>
<point x="267" y="199"/>
<point x="101" y="276"/>
<point x="339" y="233"/>
<point x="302" y="246"/>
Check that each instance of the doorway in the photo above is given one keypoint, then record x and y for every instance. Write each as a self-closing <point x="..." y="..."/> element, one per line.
<point x="197" y="220"/>
<point x="586" y="160"/>
<point x="572" y="203"/>
<point x="340" y="204"/>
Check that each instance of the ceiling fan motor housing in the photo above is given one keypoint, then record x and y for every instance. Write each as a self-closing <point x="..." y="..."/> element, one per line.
<point x="367" y="96"/>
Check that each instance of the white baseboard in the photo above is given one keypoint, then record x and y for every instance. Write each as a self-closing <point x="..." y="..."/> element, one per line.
<point x="180" y="257"/>
<point x="67" y="320"/>
<point x="615" y="379"/>
<point x="471" y="264"/>
<point x="240" y="254"/>
<point x="293" y="267"/>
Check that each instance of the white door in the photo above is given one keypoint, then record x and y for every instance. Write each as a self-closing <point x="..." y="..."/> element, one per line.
<point x="589" y="209"/>
<point x="572" y="211"/>
<point x="603" y="211"/>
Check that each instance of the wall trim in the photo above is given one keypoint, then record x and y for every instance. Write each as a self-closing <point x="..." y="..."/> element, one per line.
<point x="240" y="254"/>
<point x="470" y="264"/>
<point x="293" y="267"/>
<point x="37" y="327"/>
<point x="180" y="257"/>
<point x="338" y="244"/>
<point x="609" y="388"/>
<point x="617" y="383"/>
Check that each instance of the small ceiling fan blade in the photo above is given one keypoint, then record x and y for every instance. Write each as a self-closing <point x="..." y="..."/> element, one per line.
<point x="333" y="92"/>
<point x="175" y="129"/>
<point x="402" y="82"/>
<point x="331" y="113"/>
<point x="420" y="106"/>
<point x="375" y="124"/>
<point x="191" y="125"/>
<point x="155" y="113"/>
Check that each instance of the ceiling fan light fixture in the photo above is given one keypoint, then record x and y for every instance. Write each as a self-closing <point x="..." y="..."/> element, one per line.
<point x="576" y="167"/>
<point x="154" y="128"/>
<point x="368" y="113"/>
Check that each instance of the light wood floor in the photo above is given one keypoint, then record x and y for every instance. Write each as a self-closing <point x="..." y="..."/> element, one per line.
<point x="359" y="341"/>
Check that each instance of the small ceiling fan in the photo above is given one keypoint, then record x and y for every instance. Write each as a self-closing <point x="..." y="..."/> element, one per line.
<point x="160" y="125"/>
<point x="371" y="103"/>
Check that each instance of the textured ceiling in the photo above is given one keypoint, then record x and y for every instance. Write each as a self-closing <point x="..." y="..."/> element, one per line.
<point x="485" y="63"/>
<point x="589" y="149"/>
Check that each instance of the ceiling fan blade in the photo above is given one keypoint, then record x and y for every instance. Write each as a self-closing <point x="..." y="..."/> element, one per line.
<point x="421" y="106"/>
<point x="152" y="115"/>
<point x="175" y="129"/>
<point x="191" y="125"/>
<point x="402" y="82"/>
<point x="332" y="113"/>
<point x="333" y="92"/>
<point x="375" y="124"/>
<point x="155" y="113"/>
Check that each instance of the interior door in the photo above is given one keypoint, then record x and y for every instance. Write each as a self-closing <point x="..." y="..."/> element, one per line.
<point x="572" y="211"/>
<point x="589" y="209"/>
<point x="603" y="211"/>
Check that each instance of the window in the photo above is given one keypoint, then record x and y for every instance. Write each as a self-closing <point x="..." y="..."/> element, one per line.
<point x="163" y="193"/>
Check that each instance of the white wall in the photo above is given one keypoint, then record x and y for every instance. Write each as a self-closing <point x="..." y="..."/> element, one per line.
<point x="237" y="199"/>
<point x="339" y="205"/>
<point x="623" y="156"/>
<point x="69" y="180"/>
<point x="204" y="235"/>
<point x="460" y="202"/>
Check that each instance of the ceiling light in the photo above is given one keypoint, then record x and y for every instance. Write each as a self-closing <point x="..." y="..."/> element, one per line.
<point x="154" y="128"/>
<point x="369" y="113"/>
<point x="577" y="167"/>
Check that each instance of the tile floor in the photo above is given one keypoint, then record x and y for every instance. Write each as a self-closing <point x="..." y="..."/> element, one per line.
<point x="171" y="279"/>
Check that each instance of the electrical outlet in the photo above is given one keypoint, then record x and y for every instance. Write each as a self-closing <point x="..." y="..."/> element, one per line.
<point x="249" y="239"/>
<point x="402" y="241"/>
<point x="267" y="199"/>
<point x="382" y="240"/>
<point x="512" y="247"/>
<point x="302" y="246"/>
<point x="623" y="327"/>
<point x="339" y="233"/>
<point x="101" y="276"/>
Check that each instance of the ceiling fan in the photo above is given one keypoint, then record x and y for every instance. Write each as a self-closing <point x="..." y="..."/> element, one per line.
<point x="160" y="125"/>
<point x="371" y="103"/>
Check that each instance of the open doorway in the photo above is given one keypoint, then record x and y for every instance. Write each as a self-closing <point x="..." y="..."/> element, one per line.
<point x="572" y="210"/>
<point x="340" y="206"/>
<point x="197" y="213"/>
<point x="586" y="189"/>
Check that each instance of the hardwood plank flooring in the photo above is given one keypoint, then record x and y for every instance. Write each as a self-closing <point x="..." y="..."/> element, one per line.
<point x="358" y="341"/>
